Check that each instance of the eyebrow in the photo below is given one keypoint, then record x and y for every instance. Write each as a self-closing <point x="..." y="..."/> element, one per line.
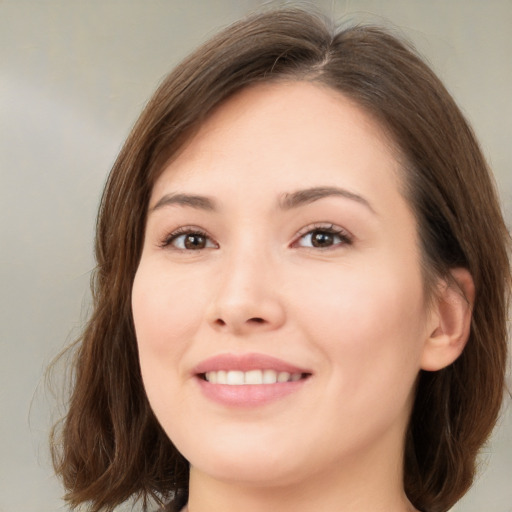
<point x="287" y="201"/>
<point x="192" y="201"/>
<point x="309" y="195"/>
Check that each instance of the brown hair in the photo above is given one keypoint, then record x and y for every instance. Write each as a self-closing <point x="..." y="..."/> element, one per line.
<point x="110" y="446"/>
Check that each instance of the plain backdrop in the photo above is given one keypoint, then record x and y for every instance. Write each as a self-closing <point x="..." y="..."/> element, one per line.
<point x="73" y="77"/>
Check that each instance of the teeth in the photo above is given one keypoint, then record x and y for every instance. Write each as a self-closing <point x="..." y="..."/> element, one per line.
<point x="235" y="378"/>
<point x="238" y="378"/>
<point x="253" y="377"/>
<point x="269" y="377"/>
<point x="283" y="377"/>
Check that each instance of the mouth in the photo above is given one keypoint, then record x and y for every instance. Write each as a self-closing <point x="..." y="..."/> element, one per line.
<point x="248" y="380"/>
<point x="251" y="377"/>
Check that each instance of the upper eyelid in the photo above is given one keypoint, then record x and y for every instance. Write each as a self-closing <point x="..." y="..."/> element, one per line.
<point x="327" y="226"/>
<point x="183" y="230"/>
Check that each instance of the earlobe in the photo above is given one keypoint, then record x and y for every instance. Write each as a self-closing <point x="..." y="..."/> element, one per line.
<point x="451" y="319"/>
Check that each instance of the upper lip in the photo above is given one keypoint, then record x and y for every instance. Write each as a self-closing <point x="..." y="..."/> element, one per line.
<point x="245" y="363"/>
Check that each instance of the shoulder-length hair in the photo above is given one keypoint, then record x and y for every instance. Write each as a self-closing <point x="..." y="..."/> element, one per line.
<point x="110" y="447"/>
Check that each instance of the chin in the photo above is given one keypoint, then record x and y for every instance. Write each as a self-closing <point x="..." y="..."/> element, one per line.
<point x="247" y="461"/>
<point x="251" y="470"/>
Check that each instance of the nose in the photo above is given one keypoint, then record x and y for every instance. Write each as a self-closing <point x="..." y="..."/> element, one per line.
<point x="247" y="299"/>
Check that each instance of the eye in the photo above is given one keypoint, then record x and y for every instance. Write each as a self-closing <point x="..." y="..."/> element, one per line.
<point x="324" y="237"/>
<point x="188" y="239"/>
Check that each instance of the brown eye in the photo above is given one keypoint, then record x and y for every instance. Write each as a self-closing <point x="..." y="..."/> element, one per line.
<point x="189" y="241"/>
<point x="322" y="239"/>
<point x="194" y="241"/>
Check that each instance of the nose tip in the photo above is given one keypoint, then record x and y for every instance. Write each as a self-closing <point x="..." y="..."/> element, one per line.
<point x="236" y="318"/>
<point x="246" y="303"/>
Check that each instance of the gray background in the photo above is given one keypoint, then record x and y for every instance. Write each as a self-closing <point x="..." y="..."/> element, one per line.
<point x="74" y="76"/>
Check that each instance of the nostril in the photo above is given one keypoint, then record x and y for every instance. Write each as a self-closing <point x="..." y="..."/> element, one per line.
<point x="239" y="323"/>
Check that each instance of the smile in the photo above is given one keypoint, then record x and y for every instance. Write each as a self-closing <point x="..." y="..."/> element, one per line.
<point x="252" y="377"/>
<point x="248" y="380"/>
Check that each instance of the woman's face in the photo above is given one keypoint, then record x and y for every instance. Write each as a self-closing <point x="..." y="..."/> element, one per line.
<point x="279" y="304"/>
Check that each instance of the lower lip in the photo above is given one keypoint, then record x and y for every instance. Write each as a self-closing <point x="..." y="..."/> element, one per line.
<point x="248" y="395"/>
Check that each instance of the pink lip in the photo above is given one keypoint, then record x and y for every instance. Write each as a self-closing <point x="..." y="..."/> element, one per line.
<point x="245" y="363"/>
<point x="253" y="395"/>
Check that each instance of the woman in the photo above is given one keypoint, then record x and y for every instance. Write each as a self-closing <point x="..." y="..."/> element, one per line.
<point x="302" y="284"/>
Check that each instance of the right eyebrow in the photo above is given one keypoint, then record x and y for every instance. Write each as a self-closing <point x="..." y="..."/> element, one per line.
<point x="309" y="195"/>
<point x="192" y="201"/>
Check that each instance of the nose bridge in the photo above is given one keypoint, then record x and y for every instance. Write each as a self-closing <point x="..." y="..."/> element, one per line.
<point x="246" y="272"/>
<point x="246" y="297"/>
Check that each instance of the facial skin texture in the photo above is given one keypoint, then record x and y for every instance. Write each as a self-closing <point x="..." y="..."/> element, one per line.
<point x="352" y="314"/>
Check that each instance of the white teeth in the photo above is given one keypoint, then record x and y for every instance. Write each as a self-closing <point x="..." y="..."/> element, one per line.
<point x="269" y="377"/>
<point x="254" y="377"/>
<point x="283" y="377"/>
<point x="235" y="378"/>
<point x="238" y="378"/>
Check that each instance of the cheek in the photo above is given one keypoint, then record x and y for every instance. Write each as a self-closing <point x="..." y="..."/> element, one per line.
<point x="370" y="326"/>
<point x="166" y="315"/>
<point x="166" y="312"/>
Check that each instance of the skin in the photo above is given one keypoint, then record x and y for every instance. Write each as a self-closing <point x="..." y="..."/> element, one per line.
<point x="353" y="313"/>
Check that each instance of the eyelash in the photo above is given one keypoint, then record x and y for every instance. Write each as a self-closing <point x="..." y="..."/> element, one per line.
<point x="184" y="230"/>
<point x="345" y="237"/>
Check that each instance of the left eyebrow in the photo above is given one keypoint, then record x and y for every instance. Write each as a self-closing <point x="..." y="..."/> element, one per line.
<point x="192" y="201"/>
<point x="309" y="195"/>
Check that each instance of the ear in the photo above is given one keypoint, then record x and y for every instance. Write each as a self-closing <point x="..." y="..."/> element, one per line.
<point x="450" y="321"/>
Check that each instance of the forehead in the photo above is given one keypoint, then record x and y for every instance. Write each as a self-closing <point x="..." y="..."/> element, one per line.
<point x="281" y="133"/>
